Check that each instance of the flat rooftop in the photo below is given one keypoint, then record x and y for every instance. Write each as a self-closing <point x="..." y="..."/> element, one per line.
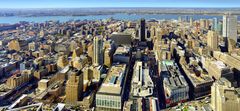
<point x="198" y="80"/>
<point x="141" y="84"/>
<point x="114" y="80"/>
<point x="173" y="77"/>
<point x="122" y="50"/>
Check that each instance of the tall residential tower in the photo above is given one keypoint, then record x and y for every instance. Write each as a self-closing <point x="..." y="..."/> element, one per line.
<point x="98" y="50"/>
<point x="142" y="30"/>
<point x="230" y="27"/>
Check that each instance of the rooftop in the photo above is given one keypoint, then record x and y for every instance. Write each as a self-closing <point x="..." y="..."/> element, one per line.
<point x="196" y="74"/>
<point x="173" y="78"/>
<point x="113" y="83"/>
<point x="142" y="84"/>
<point x="220" y="65"/>
<point x="122" y="50"/>
<point x="44" y="80"/>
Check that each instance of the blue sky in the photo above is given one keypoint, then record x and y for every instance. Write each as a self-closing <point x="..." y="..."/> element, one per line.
<point x="116" y="3"/>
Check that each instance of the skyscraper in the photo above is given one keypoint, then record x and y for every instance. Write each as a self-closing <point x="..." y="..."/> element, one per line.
<point x="142" y="30"/>
<point x="74" y="87"/>
<point x="179" y="19"/>
<point x="107" y="57"/>
<point x="98" y="50"/>
<point x="224" y="97"/>
<point x="230" y="27"/>
<point x="212" y="40"/>
<point x="191" y="21"/>
<point x="202" y="23"/>
<point x="220" y="28"/>
<point x="215" y="24"/>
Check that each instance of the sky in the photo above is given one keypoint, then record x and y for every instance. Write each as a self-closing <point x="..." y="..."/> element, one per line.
<point x="116" y="3"/>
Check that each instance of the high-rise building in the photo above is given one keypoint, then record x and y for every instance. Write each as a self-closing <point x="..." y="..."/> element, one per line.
<point x="153" y="32"/>
<point x="97" y="71"/>
<point x="212" y="40"/>
<point x="14" y="45"/>
<point x="224" y="97"/>
<point x="74" y="87"/>
<point x="79" y="62"/>
<point x="207" y="24"/>
<point x="220" y="28"/>
<point x="62" y="61"/>
<point x="159" y="33"/>
<point x="179" y="19"/>
<point x="230" y="27"/>
<point x="142" y="30"/>
<point x="98" y="50"/>
<point x="90" y="50"/>
<point x="83" y="45"/>
<point x="191" y="21"/>
<point x="107" y="57"/>
<point x="202" y="23"/>
<point x="231" y="45"/>
<point x="215" y="25"/>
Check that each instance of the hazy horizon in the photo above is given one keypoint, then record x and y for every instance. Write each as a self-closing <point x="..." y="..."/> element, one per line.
<point x="120" y="3"/>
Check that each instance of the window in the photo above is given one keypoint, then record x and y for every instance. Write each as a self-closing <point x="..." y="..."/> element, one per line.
<point x="105" y="103"/>
<point x="97" y="102"/>
<point x="102" y="103"/>
<point x="115" y="104"/>
<point x="108" y="104"/>
<point x="119" y="104"/>
<point x="111" y="103"/>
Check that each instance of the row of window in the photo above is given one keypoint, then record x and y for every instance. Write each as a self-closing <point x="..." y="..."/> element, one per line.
<point x="108" y="103"/>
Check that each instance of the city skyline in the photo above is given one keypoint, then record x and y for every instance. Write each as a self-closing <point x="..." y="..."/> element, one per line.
<point x="118" y="3"/>
<point x="120" y="55"/>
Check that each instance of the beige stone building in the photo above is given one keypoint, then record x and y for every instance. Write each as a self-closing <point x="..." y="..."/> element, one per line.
<point x="62" y="61"/>
<point x="14" y="45"/>
<point x="107" y="58"/>
<point x="212" y="40"/>
<point x="224" y="97"/>
<point x="17" y="80"/>
<point x="74" y="87"/>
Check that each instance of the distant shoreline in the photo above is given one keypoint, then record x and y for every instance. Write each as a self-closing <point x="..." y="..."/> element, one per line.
<point x="117" y="16"/>
<point x="108" y="11"/>
<point x="214" y="14"/>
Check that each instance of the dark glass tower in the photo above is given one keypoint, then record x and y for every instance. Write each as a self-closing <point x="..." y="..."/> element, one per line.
<point x="142" y="30"/>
